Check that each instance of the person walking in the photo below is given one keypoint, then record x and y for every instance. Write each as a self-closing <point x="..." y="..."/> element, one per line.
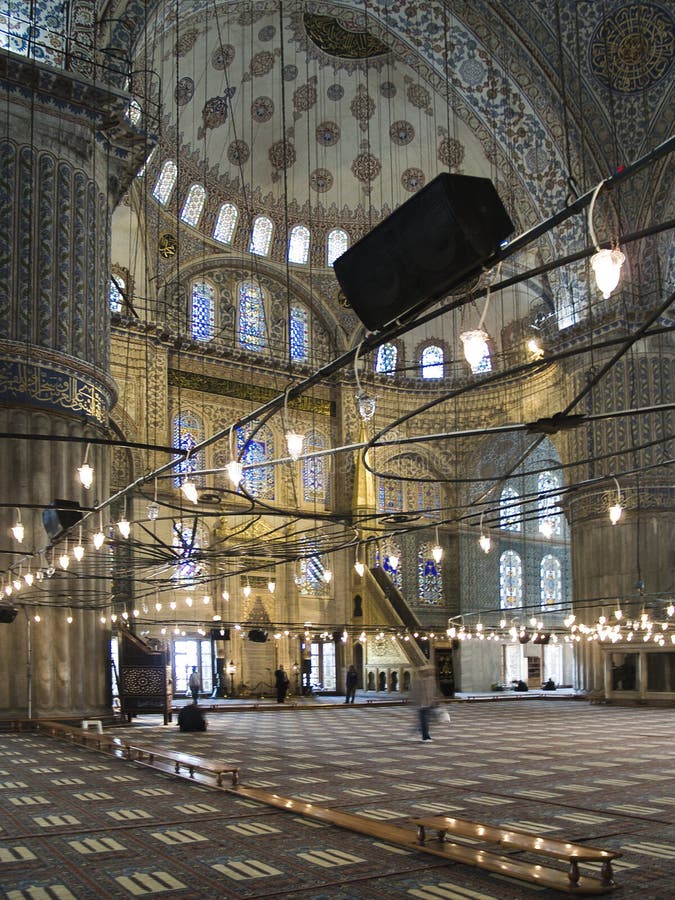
<point x="281" y="682"/>
<point x="195" y="684"/>
<point x="423" y="694"/>
<point x="352" y="679"/>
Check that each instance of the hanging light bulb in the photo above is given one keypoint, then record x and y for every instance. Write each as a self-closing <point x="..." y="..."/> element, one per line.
<point x="247" y="589"/>
<point x="535" y="348"/>
<point x="327" y="576"/>
<point x="86" y="474"/>
<point x="359" y="568"/>
<point x="225" y="595"/>
<point x="206" y="599"/>
<point x="17" y="529"/>
<point x="124" y="527"/>
<point x="28" y="578"/>
<point x="437" y="550"/>
<point x="189" y="489"/>
<point x="607" y="270"/>
<point x="606" y="263"/>
<point x="294" y="440"/>
<point x="546" y="528"/>
<point x="78" y="549"/>
<point x="152" y="509"/>
<point x="69" y="617"/>
<point x="234" y="468"/>
<point x="484" y="539"/>
<point x="64" y="559"/>
<point x="474" y="345"/>
<point x="393" y="561"/>
<point x="271" y="586"/>
<point x="16" y="583"/>
<point x="616" y="510"/>
<point x="365" y="404"/>
<point x="98" y="538"/>
<point x="188" y="602"/>
<point x="36" y="617"/>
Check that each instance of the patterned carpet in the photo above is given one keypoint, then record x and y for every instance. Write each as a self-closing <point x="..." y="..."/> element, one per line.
<point x="81" y="824"/>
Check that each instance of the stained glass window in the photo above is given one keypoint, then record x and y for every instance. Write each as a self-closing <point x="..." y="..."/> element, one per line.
<point x="383" y="558"/>
<point x="194" y="204"/>
<point x="188" y="431"/>
<point x="385" y="362"/>
<point x="298" y="245"/>
<point x="429" y="577"/>
<point x="428" y="495"/>
<point x="115" y="294"/>
<point x="336" y="245"/>
<point x="390" y="495"/>
<point x="298" y="332"/>
<point x="203" y="311"/>
<point x="187" y="542"/>
<point x="251" y="316"/>
<point x="509" y="510"/>
<point x="431" y="362"/>
<point x="261" y="236"/>
<point x="226" y="223"/>
<point x="551" y="583"/>
<point x="510" y="580"/>
<point x="165" y="183"/>
<point x="259" y="479"/>
<point x="315" y="471"/>
<point x="547" y="503"/>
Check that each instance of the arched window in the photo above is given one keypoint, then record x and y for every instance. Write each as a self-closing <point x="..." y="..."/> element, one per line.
<point x="188" y="431"/>
<point x="315" y="471"/>
<point x="551" y="583"/>
<point x="165" y="183"/>
<point x="298" y="245"/>
<point x="309" y="576"/>
<point x="194" y="204"/>
<point x="259" y="479"/>
<point x="429" y="578"/>
<point x="548" y="511"/>
<point x="510" y="580"/>
<point x="116" y="293"/>
<point x="390" y="495"/>
<point x="202" y="311"/>
<point x="509" y="510"/>
<point x="431" y="362"/>
<point x="385" y="361"/>
<point x="187" y="543"/>
<point x="251" y="316"/>
<point x="226" y="223"/>
<point x="261" y="236"/>
<point x="298" y="333"/>
<point x="336" y="245"/>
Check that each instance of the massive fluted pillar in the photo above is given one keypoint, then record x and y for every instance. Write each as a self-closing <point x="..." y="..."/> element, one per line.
<point x="66" y="155"/>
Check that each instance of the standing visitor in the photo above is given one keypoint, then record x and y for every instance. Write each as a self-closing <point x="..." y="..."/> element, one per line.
<point x="423" y="694"/>
<point x="352" y="678"/>
<point x="195" y="684"/>
<point x="281" y="681"/>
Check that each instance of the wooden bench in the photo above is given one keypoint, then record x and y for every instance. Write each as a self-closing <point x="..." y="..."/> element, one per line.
<point x="512" y="839"/>
<point x="179" y="760"/>
<point x="404" y="836"/>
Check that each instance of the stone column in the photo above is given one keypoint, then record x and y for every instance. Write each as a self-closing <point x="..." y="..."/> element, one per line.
<point x="66" y="155"/>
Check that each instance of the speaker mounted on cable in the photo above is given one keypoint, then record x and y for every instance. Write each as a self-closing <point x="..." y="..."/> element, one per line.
<point x="439" y="239"/>
<point x="59" y="516"/>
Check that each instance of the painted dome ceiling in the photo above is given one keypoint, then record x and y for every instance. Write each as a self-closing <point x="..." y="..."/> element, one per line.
<point x="320" y="113"/>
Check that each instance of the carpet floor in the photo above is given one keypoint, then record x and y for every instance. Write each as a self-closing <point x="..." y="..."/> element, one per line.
<point x="75" y="823"/>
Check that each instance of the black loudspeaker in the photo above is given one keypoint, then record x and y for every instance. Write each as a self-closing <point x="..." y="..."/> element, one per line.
<point x="433" y="242"/>
<point x="60" y="516"/>
<point x="8" y="613"/>
<point x="257" y="635"/>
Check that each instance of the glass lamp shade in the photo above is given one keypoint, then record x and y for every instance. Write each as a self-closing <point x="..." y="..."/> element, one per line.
<point x="152" y="511"/>
<point x="327" y="576"/>
<point x="485" y="543"/>
<point x="294" y="442"/>
<point x="247" y="590"/>
<point x="98" y="540"/>
<point x="359" y="568"/>
<point x="64" y="560"/>
<point x="365" y="406"/>
<point x="474" y="343"/>
<point x="607" y="269"/>
<point x="124" y="527"/>
<point x="78" y="552"/>
<point x="234" y="471"/>
<point x="546" y="528"/>
<point x="86" y="474"/>
<point x="271" y="586"/>
<point x="189" y="489"/>
<point x="615" y="513"/>
<point x="18" y="531"/>
<point x="393" y="561"/>
<point x="437" y="553"/>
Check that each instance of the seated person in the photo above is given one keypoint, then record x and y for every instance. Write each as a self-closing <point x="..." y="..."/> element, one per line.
<point x="549" y="686"/>
<point x="190" y="718"/>
<point x="519" y="685"/>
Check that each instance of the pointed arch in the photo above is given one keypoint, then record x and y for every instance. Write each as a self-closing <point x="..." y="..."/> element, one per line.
<point x="223" y="231"/>
<point x="165" y="182"/>
<point x="193" y="205"/>
<point x="298" y="245"/>
<point x="261" y="236"/>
